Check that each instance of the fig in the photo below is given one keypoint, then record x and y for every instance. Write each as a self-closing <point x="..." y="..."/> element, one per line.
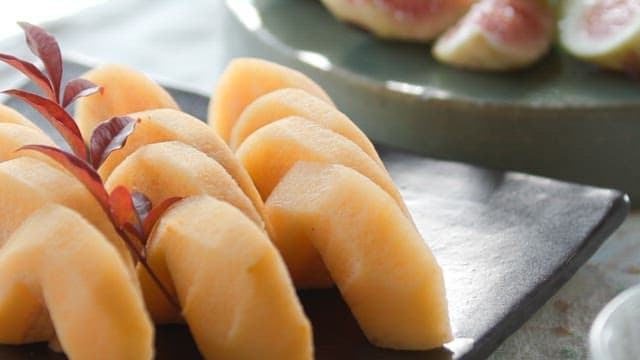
<point x="603" y="32"/>
<point x="414" y="20"/>
<point x="499" y="35"/>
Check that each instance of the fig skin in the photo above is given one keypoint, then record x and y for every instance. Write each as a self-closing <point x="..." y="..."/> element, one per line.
<point x="614" y="46"/>
<point x="412" y="20"/>
<point x="499" y="35"/>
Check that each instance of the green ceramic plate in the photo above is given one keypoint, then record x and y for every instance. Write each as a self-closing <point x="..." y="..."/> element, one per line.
<point x="561" y="118"/>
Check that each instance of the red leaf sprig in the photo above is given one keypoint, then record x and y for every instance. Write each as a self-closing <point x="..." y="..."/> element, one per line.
<point x="120" y="207"/>
<point x="130" y="214"/>
<point x="52" y="105"/>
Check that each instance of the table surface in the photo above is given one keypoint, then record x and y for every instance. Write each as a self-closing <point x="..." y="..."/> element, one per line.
<point x="186" y="43"/>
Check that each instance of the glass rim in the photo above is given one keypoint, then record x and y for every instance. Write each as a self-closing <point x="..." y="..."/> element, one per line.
<point x="597" y="346"/>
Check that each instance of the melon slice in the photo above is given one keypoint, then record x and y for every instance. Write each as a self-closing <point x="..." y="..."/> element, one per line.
<point x="384" y="270"/>
<point x="61" y="280"/>
<point x="295" y="102"/>
<point x="27" y="184"/>
<point x="172" y="125"/>
<point x="499" y="35"/>
<point x="14" y="136"/>
<point x="8" y="115"/>
<point x="245" y="80"/>
<point x="605" y="32"/>
<point x="234" y="289"/>
<point x="124" y="91"/>
<point x="273" y="149"/>
<point x="415" y="20"/>
<point x="167" y="169"/>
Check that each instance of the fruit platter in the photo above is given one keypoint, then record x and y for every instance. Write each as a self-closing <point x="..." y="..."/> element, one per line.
<point x="259" y="222"/>
<point x="400" y="93"/>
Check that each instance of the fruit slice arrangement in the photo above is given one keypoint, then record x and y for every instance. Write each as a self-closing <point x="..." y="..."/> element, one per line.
<point x="61" y="280"/>
<point x="416" y="20"/>
<point x="336" y="215"/>
<point x="506" y="34"/>
<point x="154" y="206"/>
<point x="252" y="311"/>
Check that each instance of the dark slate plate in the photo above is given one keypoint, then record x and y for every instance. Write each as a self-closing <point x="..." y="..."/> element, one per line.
<point x="506" y="241"/>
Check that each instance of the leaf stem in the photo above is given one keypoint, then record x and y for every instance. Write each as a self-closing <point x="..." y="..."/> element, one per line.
<point x="142" y="259"/>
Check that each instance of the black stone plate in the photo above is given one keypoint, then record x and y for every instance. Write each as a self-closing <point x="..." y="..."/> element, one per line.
<point x="506" y="241"/>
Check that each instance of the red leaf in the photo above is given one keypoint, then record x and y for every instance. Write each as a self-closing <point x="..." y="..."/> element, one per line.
<point x="57" y="116"/>
<point x="78" y="88"/>
<point x="32" y="72"/>
<point x="142" y="204"/>
<point x="109" y="136"/>
<point x="155" y="214"/>
<point x="78" y="168"/>
<point x="121" y="206"/>
<point x="45" y="46"/>
<point x="136" y="230"/>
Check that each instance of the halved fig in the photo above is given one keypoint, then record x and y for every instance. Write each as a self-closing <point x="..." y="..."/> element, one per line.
<point x="499" y="35"/>
<point x="605" y="32"/>
<point x="416" y="20"/>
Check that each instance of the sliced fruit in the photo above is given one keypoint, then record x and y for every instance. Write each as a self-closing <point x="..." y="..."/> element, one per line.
<point x="8" y="115"/>
<point x="168" y="125"/>
<point x="272" y="150"/>
<point x="605" y="32"/>
<point x="417" y="20"/>
<point x="14" y="136"/>
<point x="384" y="270"/>
<point x="27" y="184"/>
<point x="283" y="103"/>
<point x="499" y="35"/>
<point x="245" y="80"/>
<point x="168" y="169"/>
<point x="61" y="279"/>
<point x="124" y="91"/>
<point x="234" y="289"/>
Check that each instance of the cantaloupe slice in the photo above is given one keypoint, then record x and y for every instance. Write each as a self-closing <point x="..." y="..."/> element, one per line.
<point x="167" y="169"/>
<point x="9" y="115"/>
<point x="384" y="270"/>
<point x="59" y="272"/>
<point x="283" y="103"/>
<point x="245" y="80"/>
<point x="124" y="91"/>
<point x="272" y="150"/>
<point x="168" y="125"/>
<point x="14" y="136"/>
<point x="235" y="293"/>
<point x="27" y="184"/>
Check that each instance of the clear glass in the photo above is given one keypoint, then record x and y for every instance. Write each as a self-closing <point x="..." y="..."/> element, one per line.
<point x="615" y="334"/>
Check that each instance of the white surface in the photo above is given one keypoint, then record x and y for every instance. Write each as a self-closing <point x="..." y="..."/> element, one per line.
<point x="185" y="42"/>
<point x="616" y="330"/>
